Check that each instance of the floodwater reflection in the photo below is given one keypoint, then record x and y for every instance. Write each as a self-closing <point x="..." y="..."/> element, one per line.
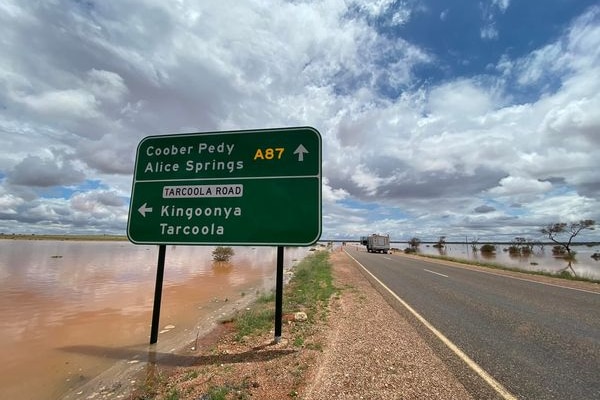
<point x="61" y="295"/>
<point x="540" y="259"/>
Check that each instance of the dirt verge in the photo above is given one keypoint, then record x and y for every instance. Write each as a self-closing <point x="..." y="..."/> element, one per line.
<point x="364" y="350"/>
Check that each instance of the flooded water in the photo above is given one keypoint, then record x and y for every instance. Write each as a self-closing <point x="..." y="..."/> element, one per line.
<point x="57" y="296"/>
<point x="540" y="260"/>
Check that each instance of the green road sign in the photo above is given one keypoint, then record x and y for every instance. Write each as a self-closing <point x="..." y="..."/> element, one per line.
<point x="260" y="187"/>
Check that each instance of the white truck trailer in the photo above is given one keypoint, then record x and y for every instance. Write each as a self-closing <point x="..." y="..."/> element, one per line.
<point x="376" y="243"/>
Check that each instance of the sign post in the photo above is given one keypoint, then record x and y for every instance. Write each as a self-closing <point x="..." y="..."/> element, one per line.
<point x="160" y="273"/>
<point x="253" y="187"/>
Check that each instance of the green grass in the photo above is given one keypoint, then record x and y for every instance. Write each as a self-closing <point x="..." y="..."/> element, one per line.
<point x="312" y="283"/>
<point x="257" y="320"/>
<point x="192" y="374"/>
<point x="241" y="391"/>
<point x="309" y="290"/>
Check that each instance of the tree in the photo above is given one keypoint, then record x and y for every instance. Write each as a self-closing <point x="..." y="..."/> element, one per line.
<point x="562" y="229"/>
<point x="441" y="242"/>
<point x="414" y="243"/>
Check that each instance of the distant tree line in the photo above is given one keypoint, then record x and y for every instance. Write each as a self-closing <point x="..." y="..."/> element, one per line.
<point x="560" y="233"/>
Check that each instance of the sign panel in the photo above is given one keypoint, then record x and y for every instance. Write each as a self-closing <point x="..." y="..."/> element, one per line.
<point x="260" y="187"/>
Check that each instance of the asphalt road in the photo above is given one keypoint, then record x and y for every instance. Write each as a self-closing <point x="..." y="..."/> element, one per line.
<point x="538" y="341"/>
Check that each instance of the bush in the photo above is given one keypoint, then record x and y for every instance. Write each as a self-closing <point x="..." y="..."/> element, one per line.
<point x="222" y="253"/>
<point x="514" y="250"/>
<point x="559" y="250"/>
<point x="488" y="248"/>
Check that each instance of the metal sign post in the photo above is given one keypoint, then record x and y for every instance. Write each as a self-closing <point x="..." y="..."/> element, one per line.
<point x="279" y="295"/>
<point x="160" y="272"/>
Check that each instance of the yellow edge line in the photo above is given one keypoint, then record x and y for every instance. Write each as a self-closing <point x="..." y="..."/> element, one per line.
<point x="497" y="386"/>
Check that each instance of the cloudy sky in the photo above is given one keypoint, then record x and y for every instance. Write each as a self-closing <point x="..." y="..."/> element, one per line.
<point x="476" y="119"/>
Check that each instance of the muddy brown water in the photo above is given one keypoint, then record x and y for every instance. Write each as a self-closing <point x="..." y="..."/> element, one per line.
<point x="69" y="310"/>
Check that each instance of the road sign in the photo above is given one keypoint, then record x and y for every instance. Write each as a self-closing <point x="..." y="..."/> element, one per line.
<point x="259" y="187"/>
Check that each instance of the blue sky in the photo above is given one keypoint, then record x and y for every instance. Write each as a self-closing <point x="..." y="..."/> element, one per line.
<point x="464" y="119"/>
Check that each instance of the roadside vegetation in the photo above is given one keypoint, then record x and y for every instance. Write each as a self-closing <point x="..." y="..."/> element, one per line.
<point x="307" y="292"/>
<point x="487" y="249"/>
<point x="560" y="233"/>
<point x="248" y="333"/>
<point x="563" y="234"/>
<point x="413" y="245"/>
<point x="521" y="247"/>
<point x="222" y="254"/>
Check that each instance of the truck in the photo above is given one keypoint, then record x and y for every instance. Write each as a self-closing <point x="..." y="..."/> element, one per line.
<point x="376" y="243"/>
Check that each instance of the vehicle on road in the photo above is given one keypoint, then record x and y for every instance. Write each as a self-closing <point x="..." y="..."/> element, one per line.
<point x="376" y="243"/>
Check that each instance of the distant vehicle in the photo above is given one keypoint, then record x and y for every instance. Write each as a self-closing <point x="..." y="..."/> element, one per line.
<point x="376" y="243"/>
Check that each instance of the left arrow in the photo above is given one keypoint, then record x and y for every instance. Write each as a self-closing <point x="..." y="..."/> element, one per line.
<point x="144" y="209"/>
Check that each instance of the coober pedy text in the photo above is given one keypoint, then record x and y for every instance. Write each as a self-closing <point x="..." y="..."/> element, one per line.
<point x="192" y="165"/>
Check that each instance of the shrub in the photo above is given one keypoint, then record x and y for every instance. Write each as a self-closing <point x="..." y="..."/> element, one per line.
<point x="222" y="253"/>
<point x="559" y="250"/>
<point x="514" y="250"/>
<point x="488" y="248"/>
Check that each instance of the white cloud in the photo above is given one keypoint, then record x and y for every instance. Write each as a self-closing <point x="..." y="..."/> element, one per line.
<point x="460" y="99"/>
<point x="106" y="85"/>
<point x="375" y="8"/>
<point x="444" y="14"/>
<point x="512" y="185"/>
<point x="367" y="180"/>
<point x="501" y="4"/>
<point x="548" y="59"/>
<point x="431" y="152"/>
<point x="576" y="53"/>
<point x="70" y="103"/>
<point x="489" y="32"/>
<point x="401" y="16"/>
<point x="9" y="204"/>
<point x="566" y="207"/>
<point x="577" y="122"/>
<point x="331" y="195"/>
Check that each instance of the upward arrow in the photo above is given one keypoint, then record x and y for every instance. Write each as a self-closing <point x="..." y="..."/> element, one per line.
<point x="144" y="209"/>
<point x="301" y="150"/>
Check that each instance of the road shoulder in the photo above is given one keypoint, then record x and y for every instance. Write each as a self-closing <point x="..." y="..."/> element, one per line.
<point x="371" y="351"/>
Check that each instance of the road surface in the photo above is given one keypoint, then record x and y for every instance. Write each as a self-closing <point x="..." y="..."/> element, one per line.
<point x="538" y="341"/>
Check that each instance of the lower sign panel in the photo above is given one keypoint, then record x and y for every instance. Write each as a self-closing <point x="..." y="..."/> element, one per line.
<point x="284" y="211"/>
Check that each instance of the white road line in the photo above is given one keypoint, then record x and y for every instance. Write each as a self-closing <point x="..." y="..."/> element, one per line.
<point x="497" y="386"/>
<point x="387" y="258"/>
<point x="437" y="273"/>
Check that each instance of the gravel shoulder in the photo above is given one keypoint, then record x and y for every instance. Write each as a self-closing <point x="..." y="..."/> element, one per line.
<point x="373" y="352"/>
